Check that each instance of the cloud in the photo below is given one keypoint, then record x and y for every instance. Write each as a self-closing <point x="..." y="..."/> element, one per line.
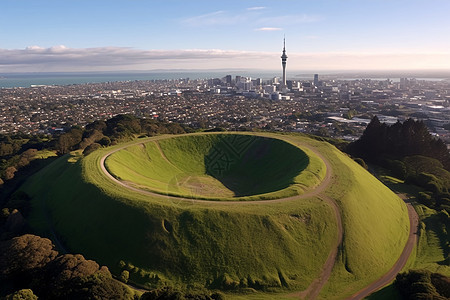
<point x="290" y="19"/>
<point x="268" y="29"/>
<point x="257" y="8"/>
<point x="214" y="18"/>
<point x="251" y="16"/>
<point x="64" y="59"/>
<point x="61" y="58"/>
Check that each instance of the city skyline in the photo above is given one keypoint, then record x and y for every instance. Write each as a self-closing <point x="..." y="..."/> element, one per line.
<point x="139" y="35"/>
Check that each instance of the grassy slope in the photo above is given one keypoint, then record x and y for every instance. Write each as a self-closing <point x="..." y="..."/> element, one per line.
<point x="249" y="242"/>
<point x="428" y="253"/>
<point x="375" y="222"/>
<point x="288" y="240"/>
<point x="433" y="240"/>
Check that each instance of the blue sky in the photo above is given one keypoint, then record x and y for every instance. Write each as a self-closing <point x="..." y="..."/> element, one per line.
<point x="79" y="35"/>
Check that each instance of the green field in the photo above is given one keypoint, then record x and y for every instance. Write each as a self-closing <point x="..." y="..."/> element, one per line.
<point x="272" y="246"/>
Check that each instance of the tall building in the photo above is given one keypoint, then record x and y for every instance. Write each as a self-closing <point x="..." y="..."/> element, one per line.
<point x="316" y="80"/>
<point x="283" y="62"/>
<point x="228" y="80"/>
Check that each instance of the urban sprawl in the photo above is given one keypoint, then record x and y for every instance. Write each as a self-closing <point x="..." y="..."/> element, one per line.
<point x="335" y="108"/>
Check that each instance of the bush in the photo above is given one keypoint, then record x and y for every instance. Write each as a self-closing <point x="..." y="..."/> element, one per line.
<point x="422" y="284"/>
<point x="105" y="141"/>
<point x="425" y="198"/>
<point x="25" y="294"/>
<point x="124" y="276"/>
<point x="361" y="162"/>
<point x="398" y="168"/>
<point x="91" y="148"/>
<point x="176" y="294"/>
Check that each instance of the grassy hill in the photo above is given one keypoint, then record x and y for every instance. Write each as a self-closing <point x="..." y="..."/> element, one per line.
<point x="276" y="245"/>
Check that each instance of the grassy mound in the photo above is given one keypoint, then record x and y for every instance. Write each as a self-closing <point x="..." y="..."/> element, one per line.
<point x="211" y="166"/>
<point x="222" y="244"/>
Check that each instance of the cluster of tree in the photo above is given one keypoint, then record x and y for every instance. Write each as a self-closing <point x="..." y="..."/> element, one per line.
<point x="412" y="154"/>
<point x="30" y="268"/>
<point x="169" y="293"/>
<point x="117" y="129"/>
<point x="422" y="284"/>
<point x="19" y="150"/>
<point x="30" y="262"/>
<point x="380" y="142"/>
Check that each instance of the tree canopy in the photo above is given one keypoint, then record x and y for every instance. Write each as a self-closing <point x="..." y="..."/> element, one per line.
<point x="380" y="141"/>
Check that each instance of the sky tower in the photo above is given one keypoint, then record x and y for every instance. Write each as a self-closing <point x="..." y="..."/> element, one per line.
<point x="283" y="62"/>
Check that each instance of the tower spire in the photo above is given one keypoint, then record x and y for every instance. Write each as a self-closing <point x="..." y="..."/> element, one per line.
<point x="283" y="61"/>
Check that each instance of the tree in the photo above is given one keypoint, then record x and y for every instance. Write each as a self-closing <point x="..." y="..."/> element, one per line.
<point x="91" y="148"/>
<point x="422" y="284"/>
<point x="9" y="173"/>
<point x="73" y="277"/>
<point x="67" y="141"/>
<point x="24" y="294"/>
<point x="105" y="141"/>
<point x="124" y="276"/>
<point x="26" y="157"/>
<point x="361" y="162"/>
<point x="169" y="293"/>
<point x="380" y="141"/>
<point x="23" y="256"/>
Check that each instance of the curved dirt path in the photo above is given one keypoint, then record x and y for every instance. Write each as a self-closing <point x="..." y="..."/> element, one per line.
<point x="316" y="286"/>
<point x="401" y="262"/>
<point x="310" y="193"/>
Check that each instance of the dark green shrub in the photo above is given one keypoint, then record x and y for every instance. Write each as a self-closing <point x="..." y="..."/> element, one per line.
<point x="361" y="162"/>
<point x="91" y="148"/>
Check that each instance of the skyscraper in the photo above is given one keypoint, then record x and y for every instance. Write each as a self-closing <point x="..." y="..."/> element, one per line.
<point x="316" y="80"/>
<point x="283" y="62"/>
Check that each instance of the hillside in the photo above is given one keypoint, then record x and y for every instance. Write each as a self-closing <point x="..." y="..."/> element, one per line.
<point x="280" y="243"/>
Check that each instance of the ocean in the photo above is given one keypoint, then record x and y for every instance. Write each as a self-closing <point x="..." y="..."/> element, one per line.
<point x="13" y="80"/>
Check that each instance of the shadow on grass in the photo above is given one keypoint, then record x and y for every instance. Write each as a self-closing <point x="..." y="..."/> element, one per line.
<point x="386" y="293"/>
<point x="250" y="165"/>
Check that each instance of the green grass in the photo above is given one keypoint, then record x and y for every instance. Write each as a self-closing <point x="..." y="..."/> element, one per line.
<point x="376" y="226"/>
<point x="433" y="244"/>
<point x="429" y="252"/>
<point x="44" y="154"/>
<point x="278" y="246"/>
<point x="216" y="166"/>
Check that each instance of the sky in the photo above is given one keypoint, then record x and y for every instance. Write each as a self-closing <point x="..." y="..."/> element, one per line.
<point x="98" y="35"/>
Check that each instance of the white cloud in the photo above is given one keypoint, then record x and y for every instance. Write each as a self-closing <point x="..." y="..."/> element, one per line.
<point x="257" y="8"/>
<point x="60" y="58"/>
<point x="268" y="29"/>
<point x="215" y="18"/>
<point x="290" y="19"/>
<point x="257" y="15"/>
